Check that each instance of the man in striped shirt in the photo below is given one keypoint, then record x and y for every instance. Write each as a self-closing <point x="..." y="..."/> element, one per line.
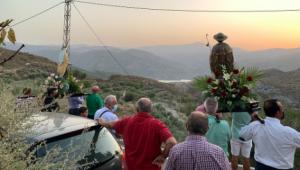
<point x="195" y="153"/>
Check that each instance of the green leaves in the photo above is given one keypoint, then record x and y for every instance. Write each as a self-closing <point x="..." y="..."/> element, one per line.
<point x="233" y="89"/>
<point x="2" y="36"/>
<point x="3" y="33"/>
<point x="11" y="36"/>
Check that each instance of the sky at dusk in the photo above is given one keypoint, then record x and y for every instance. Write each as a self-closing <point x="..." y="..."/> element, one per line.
<point x="135" y="28"/>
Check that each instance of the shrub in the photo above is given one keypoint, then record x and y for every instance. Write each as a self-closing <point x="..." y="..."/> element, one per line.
<point x="129" y="96"/>
<point x="14" y="127"/>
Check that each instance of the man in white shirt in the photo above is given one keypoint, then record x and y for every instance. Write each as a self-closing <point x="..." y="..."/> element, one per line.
<point x="108" y="111"/>
<point x="275" y="144"/>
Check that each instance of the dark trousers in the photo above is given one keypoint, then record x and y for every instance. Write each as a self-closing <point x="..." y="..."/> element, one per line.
<point x="260" y="166"/>
<point x="91" y="117"/>
<point x="74" y="111"/>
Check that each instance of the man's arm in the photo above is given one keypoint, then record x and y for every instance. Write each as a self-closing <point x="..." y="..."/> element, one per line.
<point x="171" y="163"/>
<point x="160" y="159"/>
<point x="106" y="124"/>
<point x="295" y="137"/>
<point x="247" y="132"/>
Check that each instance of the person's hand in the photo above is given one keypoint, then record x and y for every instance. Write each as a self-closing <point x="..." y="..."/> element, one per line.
<point x="159" y="160"/>
<point x="254" y="116"/>
<point x="220" y="115"/>
<point x="101" y="122"/>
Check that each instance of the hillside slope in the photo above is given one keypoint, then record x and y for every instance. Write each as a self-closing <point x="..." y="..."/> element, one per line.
<point x="25" y="66"/>
<point x="282" y="85"/>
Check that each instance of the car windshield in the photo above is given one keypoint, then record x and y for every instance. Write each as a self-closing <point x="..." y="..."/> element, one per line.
<point x="88" y="148"/>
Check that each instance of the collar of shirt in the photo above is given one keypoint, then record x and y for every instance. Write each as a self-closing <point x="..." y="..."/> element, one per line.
<point x="105" y="108"/>
<point x="144" y="114"/>
<point x="273" y="120"/>
<point x="195" y="137"/>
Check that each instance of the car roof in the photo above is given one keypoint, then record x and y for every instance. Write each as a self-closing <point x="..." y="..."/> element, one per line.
<point x="50" y="124"/>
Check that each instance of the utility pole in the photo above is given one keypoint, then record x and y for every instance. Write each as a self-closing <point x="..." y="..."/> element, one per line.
<point x="67" y="26"/>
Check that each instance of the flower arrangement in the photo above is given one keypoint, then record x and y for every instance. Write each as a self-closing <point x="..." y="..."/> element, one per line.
<point x="68" y="85"/>
<point x="234" y="90"/>
<point x="75" y="85"/>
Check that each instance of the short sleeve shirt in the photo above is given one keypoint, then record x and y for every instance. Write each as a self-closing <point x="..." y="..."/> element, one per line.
<point x="218" y="133"/>
<point x="143" y="136"/>
<point x="239" y="120"/>
<point x="94" y="102"/>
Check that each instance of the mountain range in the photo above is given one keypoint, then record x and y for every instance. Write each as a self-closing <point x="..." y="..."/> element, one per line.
<point x="167" y="62"/>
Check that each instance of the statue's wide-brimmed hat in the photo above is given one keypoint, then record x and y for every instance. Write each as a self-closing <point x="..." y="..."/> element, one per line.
<point x="220" y="37"/>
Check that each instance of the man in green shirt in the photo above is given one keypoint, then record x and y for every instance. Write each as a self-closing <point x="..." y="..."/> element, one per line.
<point x="219" y="131"/>
<point x="94" y="102"/>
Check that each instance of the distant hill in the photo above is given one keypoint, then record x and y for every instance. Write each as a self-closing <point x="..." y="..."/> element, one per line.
<point x="25" y="66"/>
<point x="169" y="62"/>
<point x="196" y="57"/>
<point x="282" y="85"/>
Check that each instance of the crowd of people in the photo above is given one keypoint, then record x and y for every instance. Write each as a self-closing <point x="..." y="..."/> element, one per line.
<point x="206" y="146"/>
<point x="149" y="142"/>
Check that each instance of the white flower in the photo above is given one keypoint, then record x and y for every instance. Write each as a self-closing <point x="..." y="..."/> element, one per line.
<point x="226" y="76"/>
<point x="46" y="82"/>
<point x="233" y="96"/>
<point x="244" y="98"/>
<point x="49" y="78"/>
<point x="56" y="77"/>
<point x="229" y="103"/>
<point x="52" y="74"/>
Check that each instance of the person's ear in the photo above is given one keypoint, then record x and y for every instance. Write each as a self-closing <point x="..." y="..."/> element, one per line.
<point x="186" y="126"/>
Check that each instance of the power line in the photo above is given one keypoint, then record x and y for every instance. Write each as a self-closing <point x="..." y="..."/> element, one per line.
<point x="100" y="41"/>
<point x="37" y="14"/>
<point x="188" y="10"/>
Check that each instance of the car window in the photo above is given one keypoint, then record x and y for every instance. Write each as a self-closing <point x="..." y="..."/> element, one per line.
<point x="94" y="146"/>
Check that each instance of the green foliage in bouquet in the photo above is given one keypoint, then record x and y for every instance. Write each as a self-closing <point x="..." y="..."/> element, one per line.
<point x="68" y="85"/>
<point x="234" y="90"/>
<point x="74" y="84"/>
<point x="55" y="81"/>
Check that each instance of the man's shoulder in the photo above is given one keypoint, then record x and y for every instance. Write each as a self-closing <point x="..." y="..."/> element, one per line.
<point x="102" y="109"/>
<point x="290" y="130"/>
<point x="156" y="122"/>
<point x="254" y="123"/>
<point x="224" y="123"/>
<point x="179" y="147"/>
<point x="214" y="149"/>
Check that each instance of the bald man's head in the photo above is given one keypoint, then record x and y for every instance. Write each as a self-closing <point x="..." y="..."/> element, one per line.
<point x="197" y="123"/>
<point x="144" y="105"/>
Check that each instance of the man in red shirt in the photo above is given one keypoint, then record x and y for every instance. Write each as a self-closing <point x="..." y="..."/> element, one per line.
<point x="143" y="136"/>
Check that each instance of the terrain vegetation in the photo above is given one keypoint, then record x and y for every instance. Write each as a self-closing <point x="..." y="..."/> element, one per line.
<point x="172" y="102"/>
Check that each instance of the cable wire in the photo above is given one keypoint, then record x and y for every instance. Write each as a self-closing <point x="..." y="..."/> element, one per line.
<point x="188" y="10"/>
<point x="37" y="14"/>
<point x="100" y="41"/>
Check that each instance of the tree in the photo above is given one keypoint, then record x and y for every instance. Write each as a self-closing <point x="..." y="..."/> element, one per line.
<point x="10" y="34"/>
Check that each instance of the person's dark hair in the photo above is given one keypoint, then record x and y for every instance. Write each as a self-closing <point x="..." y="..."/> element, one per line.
<point x="144" y="105"/>
<point x="26" y="91"/>
<point x="82" y="109"/>
<point x="271" y="107"/>
<point x="51" y="91"/>
<point x="197" y="123"/>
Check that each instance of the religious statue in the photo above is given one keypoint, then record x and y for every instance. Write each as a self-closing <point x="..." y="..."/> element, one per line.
<point x="221" y="54"/>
